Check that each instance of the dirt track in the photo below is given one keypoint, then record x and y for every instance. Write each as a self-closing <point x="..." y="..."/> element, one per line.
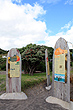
<point x="35" y="101"/>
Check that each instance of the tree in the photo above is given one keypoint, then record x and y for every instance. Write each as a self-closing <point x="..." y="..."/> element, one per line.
<point x="32" y="56"/>
<point x="71" y="57"/>
<point x="3" y="60"/>
<point x="3" y="51"/>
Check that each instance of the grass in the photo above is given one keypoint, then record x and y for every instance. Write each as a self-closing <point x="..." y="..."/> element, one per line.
<point x="71" y="72"/>
<point x="27" y="80"/>
<point x="30" y="81"/>
<point x="2" y="77"/>
<point x="2" y="82"/>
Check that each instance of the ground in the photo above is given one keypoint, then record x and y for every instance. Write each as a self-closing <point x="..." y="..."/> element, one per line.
<point x="35" y="101"/>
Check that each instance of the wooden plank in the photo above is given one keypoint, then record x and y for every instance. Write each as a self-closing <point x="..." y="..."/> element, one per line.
<point x="61" y="90"/>
<point x="7" y="85"/>
<point x="47" y="75"/>
<point x="13" y="84"/>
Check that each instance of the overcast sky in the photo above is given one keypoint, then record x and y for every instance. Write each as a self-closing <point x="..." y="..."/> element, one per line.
<point x="35" y="21"/>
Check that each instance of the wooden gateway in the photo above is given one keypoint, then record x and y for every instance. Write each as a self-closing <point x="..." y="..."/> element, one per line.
<point x="61" y="70"/>
<point x="13" y="71"/>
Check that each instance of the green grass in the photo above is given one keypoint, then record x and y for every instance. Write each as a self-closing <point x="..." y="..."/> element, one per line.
<point x="2" y="82"/>
<point x="30" y="81"/>
<point x="71" y="72"/>
<point x="26" y="80"/>
<point x="2" y="77"/>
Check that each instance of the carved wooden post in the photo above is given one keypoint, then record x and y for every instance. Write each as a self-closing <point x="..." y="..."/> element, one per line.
<point x="13" y="76"/>
<point x="13" y="71"/>
<point x="47" y="68"/>
<point x="61" y="70"/>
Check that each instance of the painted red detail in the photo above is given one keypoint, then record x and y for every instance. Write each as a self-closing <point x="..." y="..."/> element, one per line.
<point x="47" y="59"/>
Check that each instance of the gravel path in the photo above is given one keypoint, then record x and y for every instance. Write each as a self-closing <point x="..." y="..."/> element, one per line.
<point x="35" y="101"/>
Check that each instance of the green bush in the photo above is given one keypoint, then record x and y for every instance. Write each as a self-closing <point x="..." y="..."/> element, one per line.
<point x="2" y="64"/>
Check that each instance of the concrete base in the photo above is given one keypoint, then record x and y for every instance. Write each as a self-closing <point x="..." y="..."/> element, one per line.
<point x="48" y="88"/>
<point x="18" y="96"/>
<point x="64" y="104"/>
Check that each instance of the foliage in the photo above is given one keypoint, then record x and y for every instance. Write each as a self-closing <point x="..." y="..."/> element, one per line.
<point x="41" y="67"/>
<point x="33" y="56"/>
<point x="24" y="48"/>
<point x="3" y="51"/>
<point x="71" y="57"/>
<point x="2" y="64"/>
<point x="2" y="61"/>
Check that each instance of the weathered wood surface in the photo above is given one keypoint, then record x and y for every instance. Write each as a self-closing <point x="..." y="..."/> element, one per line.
<point x="61" y="90"/>
<point x="13" y="84"/>
<point x="48" y="76"/>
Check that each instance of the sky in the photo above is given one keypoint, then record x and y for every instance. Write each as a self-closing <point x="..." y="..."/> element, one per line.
<point x="40" y="22"/>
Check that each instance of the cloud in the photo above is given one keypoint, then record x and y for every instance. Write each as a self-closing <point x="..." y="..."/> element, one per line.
<point x="19" y="25"/>
<point x="70" y="2"/>
<point x="50" y="1"/>
<point x="67" y="25"/>
<point x="68" y="36"/>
